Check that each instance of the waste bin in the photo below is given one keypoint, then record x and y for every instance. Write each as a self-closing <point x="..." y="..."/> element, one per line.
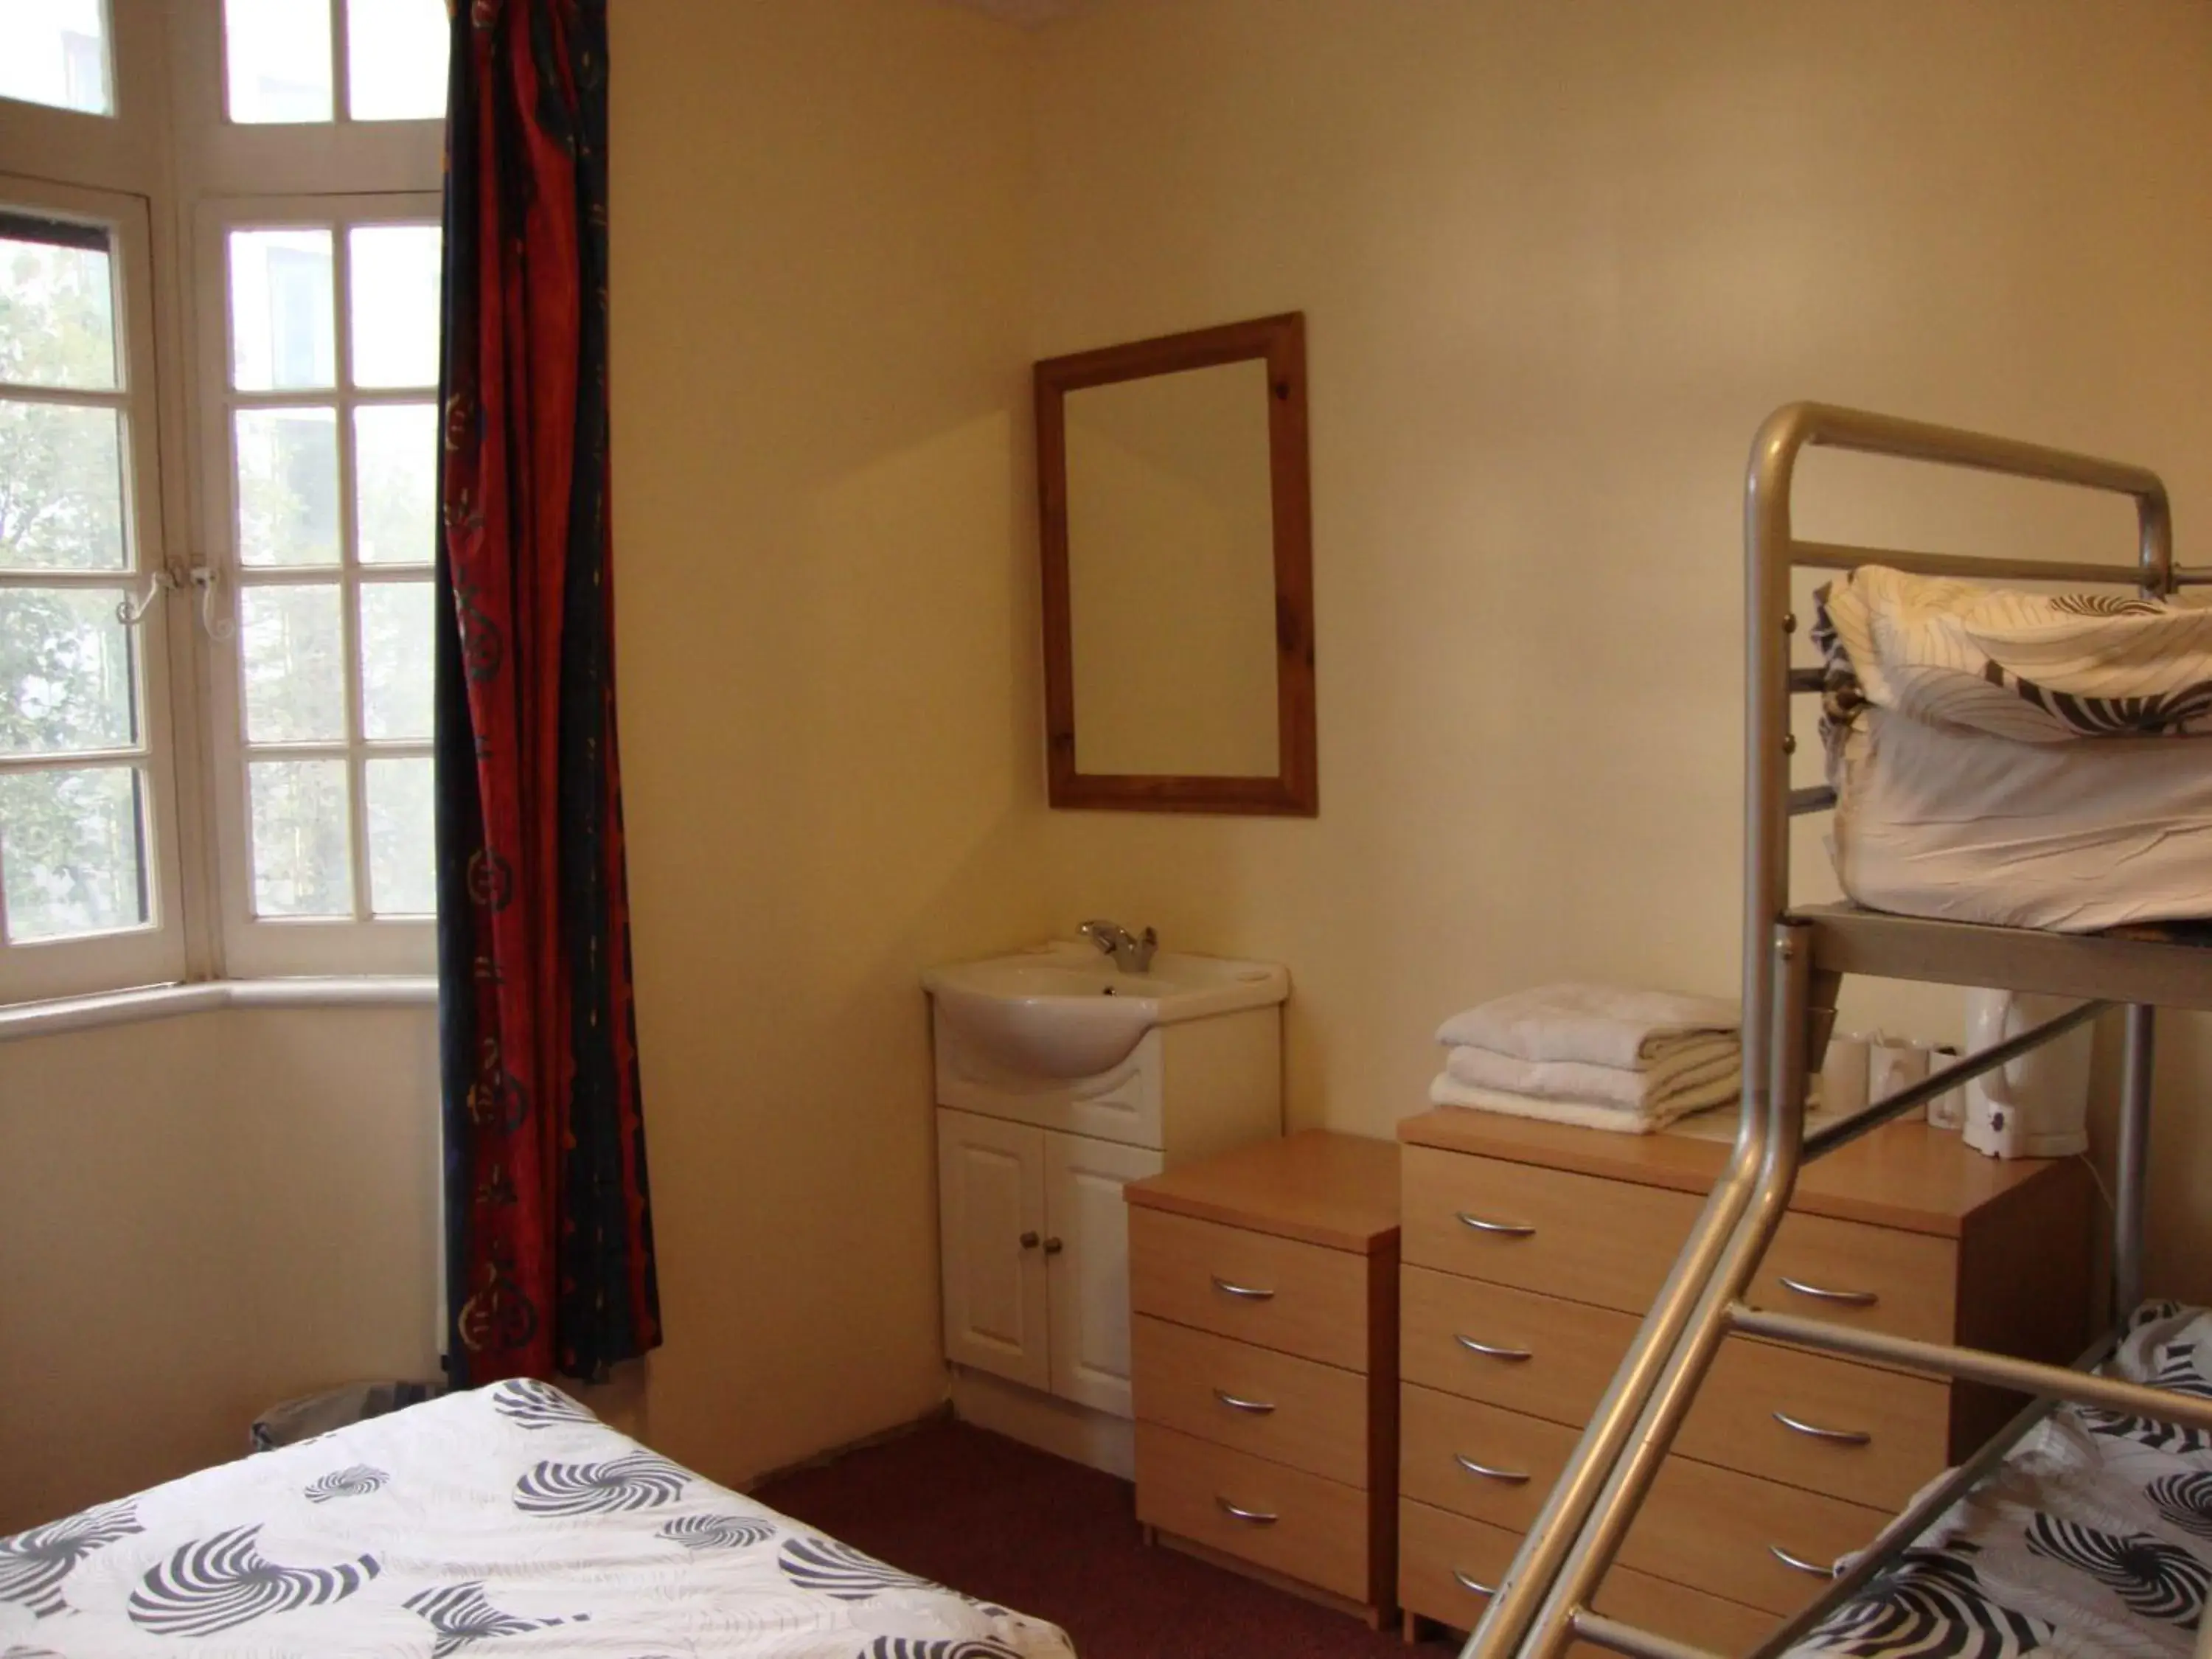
<point x="291" y="1421"/>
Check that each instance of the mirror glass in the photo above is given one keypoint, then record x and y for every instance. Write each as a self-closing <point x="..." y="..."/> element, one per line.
<point x="1171" y="573"/>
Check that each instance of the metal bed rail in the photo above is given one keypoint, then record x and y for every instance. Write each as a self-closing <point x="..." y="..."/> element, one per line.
<point x="1792" y="966"/>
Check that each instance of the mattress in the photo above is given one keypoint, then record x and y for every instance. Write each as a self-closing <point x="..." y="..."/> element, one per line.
<point x="2092" y="1538"/>
<point x="504" y="1523"/>
<point x="2076" y="837"/>
<point x="2022" y="760"/>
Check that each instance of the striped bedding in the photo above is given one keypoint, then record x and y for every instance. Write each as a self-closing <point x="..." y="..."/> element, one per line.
<point x="504" y="1523"/>
<point x="2094" y="1537"/>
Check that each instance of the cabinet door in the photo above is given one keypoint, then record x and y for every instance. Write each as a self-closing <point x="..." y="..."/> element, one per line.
<point x="1087" y="1241"/>
<point x="990" y="1182"/>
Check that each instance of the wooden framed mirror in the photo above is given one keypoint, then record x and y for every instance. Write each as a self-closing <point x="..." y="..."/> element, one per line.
<point x="1177" y="537"/>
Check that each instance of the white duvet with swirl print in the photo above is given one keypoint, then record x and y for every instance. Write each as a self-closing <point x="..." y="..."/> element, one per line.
<point x="505" y="1523"/>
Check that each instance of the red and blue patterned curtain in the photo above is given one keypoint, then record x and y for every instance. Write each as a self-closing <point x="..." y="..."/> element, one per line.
<point x="549" y="1262"/>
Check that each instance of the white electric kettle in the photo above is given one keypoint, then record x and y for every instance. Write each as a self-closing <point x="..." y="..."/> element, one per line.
<point x="2038" y="1105"/>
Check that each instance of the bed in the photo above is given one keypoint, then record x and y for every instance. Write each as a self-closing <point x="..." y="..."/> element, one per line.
<point x="2020" y="783"/>
<point x="505" y="1520"/>
<point x="2094" y="1537"/>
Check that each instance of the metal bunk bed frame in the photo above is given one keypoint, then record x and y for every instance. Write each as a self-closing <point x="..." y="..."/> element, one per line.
<point x="1793" y="961"/>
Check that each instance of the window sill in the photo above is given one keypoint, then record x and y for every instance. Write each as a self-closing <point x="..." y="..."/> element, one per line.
<point x="33" y="1020"/>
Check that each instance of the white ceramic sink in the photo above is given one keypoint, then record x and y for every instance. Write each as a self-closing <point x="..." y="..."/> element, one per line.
<point x="1065" y="1011"/>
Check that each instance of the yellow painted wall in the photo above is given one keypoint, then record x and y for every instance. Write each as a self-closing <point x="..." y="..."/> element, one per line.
<point x="1558" y="261"/>
<point x="829" y="670"/>
<point x="200" y="1217"/>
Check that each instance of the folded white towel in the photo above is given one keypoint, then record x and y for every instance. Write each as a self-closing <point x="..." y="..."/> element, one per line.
<point x="1446" y="1089"/>
<point x="1597" y="1025"/>
<point x="1693" y="1065"/>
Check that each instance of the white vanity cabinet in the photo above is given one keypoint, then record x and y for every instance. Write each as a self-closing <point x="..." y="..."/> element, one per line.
<point x="1031" y="1222"/>
<point x="1037" y="1254"/>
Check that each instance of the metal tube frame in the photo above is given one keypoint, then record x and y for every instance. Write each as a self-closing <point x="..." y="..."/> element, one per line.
<point x="1544" y="1600"/>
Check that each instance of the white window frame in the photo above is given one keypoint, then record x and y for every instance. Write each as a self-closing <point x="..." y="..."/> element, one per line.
<point x="169" y="147"/>
<point x="154" y="952"/>
<point x="361" y="943"/>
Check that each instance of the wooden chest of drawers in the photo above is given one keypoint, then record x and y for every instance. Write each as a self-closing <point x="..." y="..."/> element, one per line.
<point x="1531" y="1252"/>
<point x="1264" y="1291"/>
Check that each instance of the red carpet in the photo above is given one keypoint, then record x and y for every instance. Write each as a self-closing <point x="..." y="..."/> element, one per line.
<point x="1007" y="1524"/>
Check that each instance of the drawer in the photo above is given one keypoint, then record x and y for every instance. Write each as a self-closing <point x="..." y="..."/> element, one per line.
<point x="1479" y="1460"/>
<point x="1881" y="1434"/>
<point x="1276" y="1292"/>
<point x="1273" y="1405"/>
<point x="1316" y="1530"/>
<point x="1851" y="1273"/>
<point x="1571" y="1350"/>
<point x="1717" y="1530"/>
<point x="1576" y="1235"/>
<point x="1438" y="1552"/>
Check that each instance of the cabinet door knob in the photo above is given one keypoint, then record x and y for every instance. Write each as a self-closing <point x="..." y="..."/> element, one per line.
<point x="1799" y="1563"/>
<point x="1474" y="1584"/>
<point x="1492" y="1351"/>
<point x="1255" y="1517"/>
<point x="1841" y="1437"/>
<point x="1242" y="1293"/>
<point x="1029" y="1241"/>
<point x="1499" y="1229"/>
<point x="1053" y="1246"/>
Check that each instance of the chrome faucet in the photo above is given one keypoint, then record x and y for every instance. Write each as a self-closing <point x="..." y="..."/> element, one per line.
<point x="1131" y="955"/>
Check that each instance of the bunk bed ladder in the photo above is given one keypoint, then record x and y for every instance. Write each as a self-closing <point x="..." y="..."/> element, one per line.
<point x="1794" y="964"/>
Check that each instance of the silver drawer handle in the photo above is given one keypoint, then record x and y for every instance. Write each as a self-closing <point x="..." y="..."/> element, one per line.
<point x="1841" y="1437"/>
<point x="1849" y="1299"/>
<point x="1510" y="1356"/>
<point x="1257" y="1408"/>
<point x="1474" y="1584"/>
<point x="1502" y="1229"/>
<point x="1799" y="1563"/>
<point x="1245" y="1290"/>
<point x="1257" y="1518"/>
<point x="1511" y="1477"/>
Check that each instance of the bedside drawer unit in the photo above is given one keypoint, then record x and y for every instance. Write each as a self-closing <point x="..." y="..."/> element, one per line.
<point x="1264" y="1365"/>
<point x="1533" y="1251"/>
<point x="1259" y="1288"/>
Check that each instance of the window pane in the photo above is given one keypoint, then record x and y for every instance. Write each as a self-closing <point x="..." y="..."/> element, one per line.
<point x="395" y="469"/>
<point x="279" y="59"/>
<point x="288" y="486"/>
<point x="395" y="659"/>
<point x="61" y="487"/>
<point x="67" y="680"/>
<point x="56" y="302"/>
<point x="396" y="59"/>
<point x="303" y="839"/>
<point x="403" y="878"/>
<point x="73" y="852"/>
<point x="291" y="646"/>
<point x="55" y="52"/>
<point x="283" y="337"/>
<point x="395" y="304"/>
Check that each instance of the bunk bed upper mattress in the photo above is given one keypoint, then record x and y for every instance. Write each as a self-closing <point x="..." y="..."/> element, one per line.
<point x="2023" y="760"/>
<point x="508" y="1512"/>
<point x="2093" y="1537"/>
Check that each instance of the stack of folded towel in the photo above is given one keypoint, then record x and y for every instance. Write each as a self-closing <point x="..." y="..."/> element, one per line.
<point x="1592" y="1054"/>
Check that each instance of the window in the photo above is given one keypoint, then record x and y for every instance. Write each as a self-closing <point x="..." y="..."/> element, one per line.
<point x="285" y="60"/>
<point x="55" y="53"/>
<point x="87" y="878"/>
<point x="327" y="416"/>
<point x="215" y="540"/>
